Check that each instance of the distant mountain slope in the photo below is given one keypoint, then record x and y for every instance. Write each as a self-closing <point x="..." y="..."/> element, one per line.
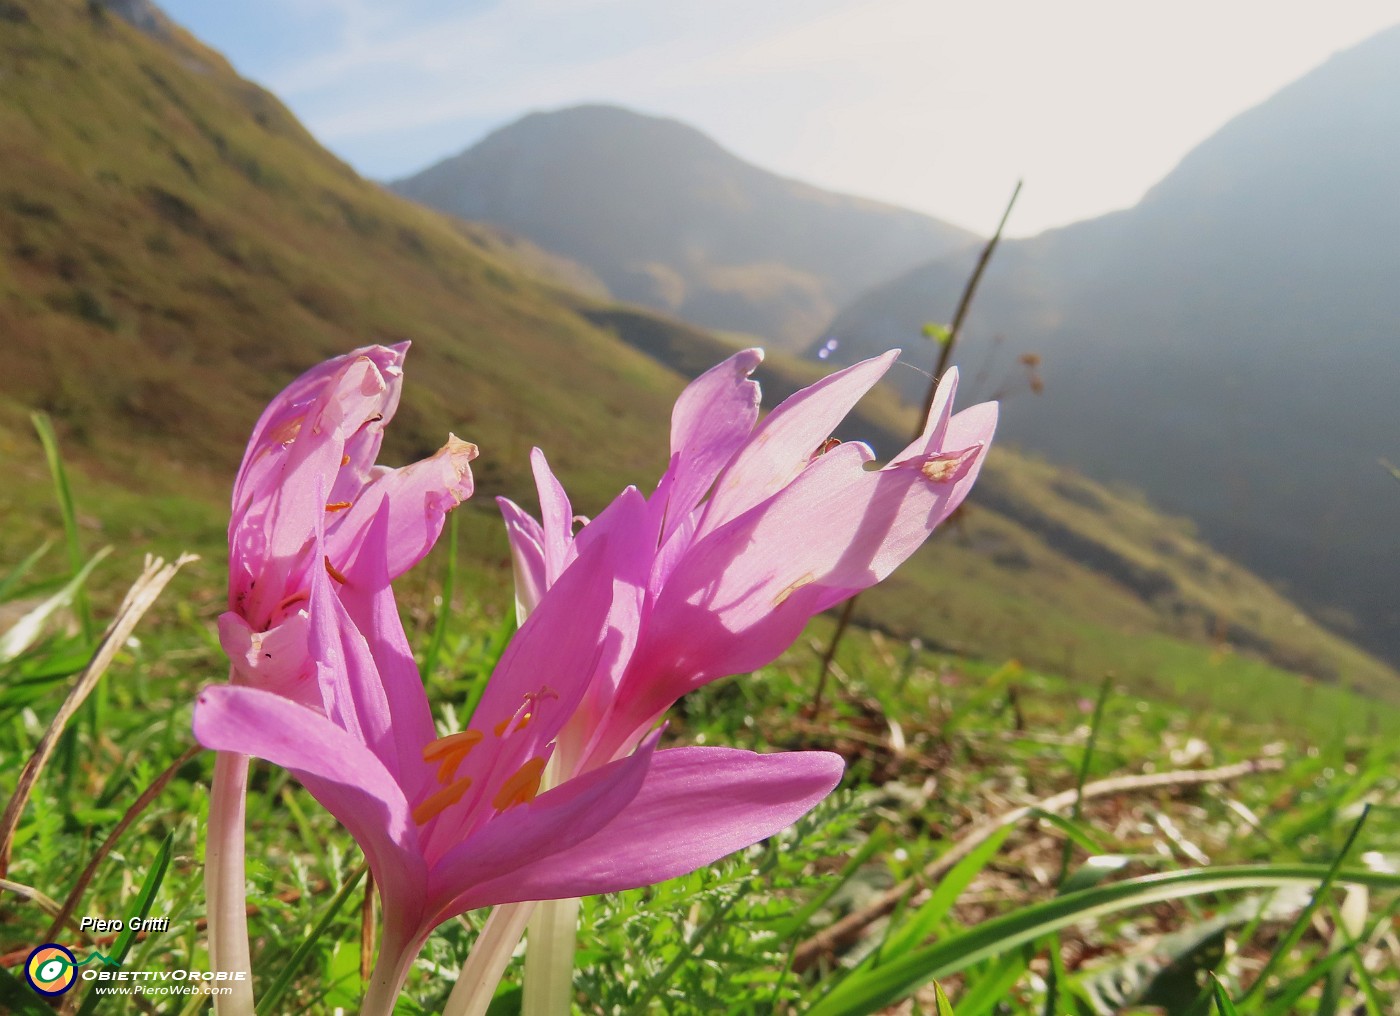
<point x="1231" y="344"/>
<point x="174" y="247"/>
<point x="670" y="220"/>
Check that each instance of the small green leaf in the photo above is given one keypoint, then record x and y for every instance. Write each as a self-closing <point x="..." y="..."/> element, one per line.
<point x="23" y="632"/>
<point x="1222" y="1000"/>
<point x="16" y="574"/>
<point x="44" y="426"/>
<point x="945" y="1008"/>
<point x="938" y="333"/>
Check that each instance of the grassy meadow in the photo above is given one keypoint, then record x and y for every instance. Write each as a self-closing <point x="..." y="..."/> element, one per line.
<point x="1034" y="843"/>
<point x="1090" y="760"/>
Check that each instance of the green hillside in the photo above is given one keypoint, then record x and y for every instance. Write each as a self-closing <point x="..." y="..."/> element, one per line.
<point x="174" y="247"/>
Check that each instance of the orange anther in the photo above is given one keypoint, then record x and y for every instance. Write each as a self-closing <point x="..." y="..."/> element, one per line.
<point x="287" y="601"/>
<point x="449" y="751"/>
<point x="334" y="572"/>
<point x="437" y="802"/>
<point x="448" y="769"/>
<point x="466" y="740"/>
<point x="338" y="506"/>
<point x="521" y="786"/>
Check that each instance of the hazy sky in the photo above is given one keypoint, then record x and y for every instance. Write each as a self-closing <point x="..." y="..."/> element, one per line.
<point x="932" y="105"/>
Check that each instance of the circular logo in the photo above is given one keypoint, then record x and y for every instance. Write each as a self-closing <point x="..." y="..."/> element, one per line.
<point x="51" y="969"/>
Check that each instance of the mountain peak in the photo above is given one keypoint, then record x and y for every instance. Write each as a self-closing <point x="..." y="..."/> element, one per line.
<point x="670" y="219"/>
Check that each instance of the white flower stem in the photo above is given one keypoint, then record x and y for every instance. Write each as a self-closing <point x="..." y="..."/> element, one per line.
<point x="224" y="890"/>
<point x="488" y="960"/>
<point x="549" y="959"/>
<point x="390" y="971"/>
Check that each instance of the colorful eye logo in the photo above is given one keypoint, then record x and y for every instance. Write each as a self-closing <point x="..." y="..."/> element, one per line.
<point x="51" y="969"/>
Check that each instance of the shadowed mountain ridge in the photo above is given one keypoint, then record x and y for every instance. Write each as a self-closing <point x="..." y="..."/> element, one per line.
<point x="1231" y="345"/>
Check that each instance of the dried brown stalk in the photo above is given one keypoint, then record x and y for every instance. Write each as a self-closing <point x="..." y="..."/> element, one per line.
<point x="945" y="354"/>
<point x="139" y="598"/>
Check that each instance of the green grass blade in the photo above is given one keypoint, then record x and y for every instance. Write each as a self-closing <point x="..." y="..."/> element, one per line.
<point x="144" y="899"/>
<point x="22" y="634"/>
<point x="859" y="996"/>
<point x="945" y="1008"/>
<point x="16" y="574"/>
<point x="1284" y="1004"/>
<point x="988" y="987"/>
<point x="44" y="426"/>
<point x="273" y="995"/>
<point x="924" y="921"/>
<point x="1222" y="1000"/>
<point x="1300" y="925"/>
<point x="444" y="611"/>
<point x="1082" y="776"/>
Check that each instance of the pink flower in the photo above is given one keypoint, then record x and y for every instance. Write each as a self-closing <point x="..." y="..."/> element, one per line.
<point x="309" y="467"/>
<point x="793" y="524"/>
<point x="453" y="823"/>
<point x="305" y="496"/>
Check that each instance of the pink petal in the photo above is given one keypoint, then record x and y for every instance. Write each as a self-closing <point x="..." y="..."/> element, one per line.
<point x="629" y="526"/>
<point x="293" y="401"/>
<point x="711" y="422"/>
<point x="785" y="441"/>
<point x="482" y="869"/>
<point x="418" y="497"/>
<point x="936" y="424"/>
<point x="556" y="518"/>
<point x="744" y="592"/>
<point x="384" y="660"/>
<point x="275" y="660"/>
<point x="526" y="540"/>
<point x="282" y="489"/>
<point x="340" y="772"/>
<point x="694" y="806"/>
<point x="546" y="671"/>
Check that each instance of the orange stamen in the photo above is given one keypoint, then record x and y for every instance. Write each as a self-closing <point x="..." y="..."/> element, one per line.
<point x="521" y="786"/>
<point x="448" y="770"/>
<point x="436" y="803"/>
<point x="334" y="572"/>
<point x="450" y="751"/>
<point x="465" y="741"/>
<point x="287" y="601"/>
<point x="338" y="506"/>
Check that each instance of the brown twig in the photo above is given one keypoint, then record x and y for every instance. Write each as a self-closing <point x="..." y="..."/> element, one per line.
<point x="945" y="353"/>
<point x="841" y="935"/>
<point x="75" y="895"/>
<point x="139" y="598"/>
<point x="964" y="305"/>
